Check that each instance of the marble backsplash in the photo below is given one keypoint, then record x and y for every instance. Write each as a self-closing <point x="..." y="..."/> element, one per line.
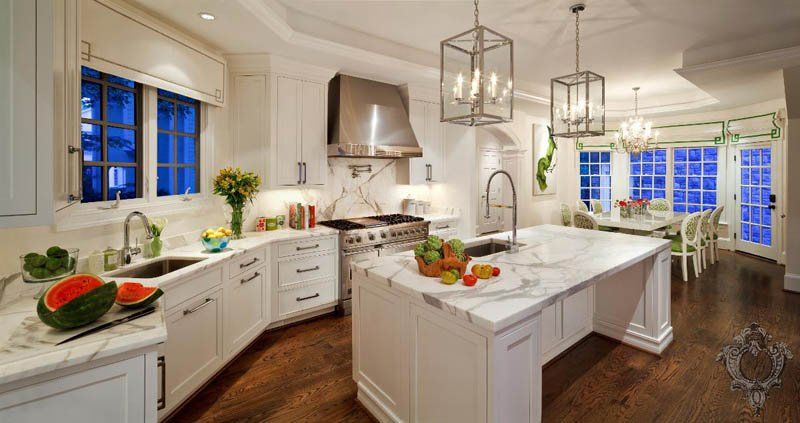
<point x="366" y="194"/>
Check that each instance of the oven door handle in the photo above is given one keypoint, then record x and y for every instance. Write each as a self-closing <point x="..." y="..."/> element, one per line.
<point x="361" y="251"/>
<point x="400" y="245"/>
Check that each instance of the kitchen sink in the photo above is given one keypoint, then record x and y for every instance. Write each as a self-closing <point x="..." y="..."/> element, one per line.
<point x="488" y="247"/>
<point x="156" y="268"/>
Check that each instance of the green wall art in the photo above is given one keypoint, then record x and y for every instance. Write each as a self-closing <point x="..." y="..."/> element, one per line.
<point x="544" y="159"/>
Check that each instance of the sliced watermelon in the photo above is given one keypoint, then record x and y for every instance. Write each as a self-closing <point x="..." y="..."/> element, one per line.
<point x="75" y="301"/>
<point x="136" y="295"/>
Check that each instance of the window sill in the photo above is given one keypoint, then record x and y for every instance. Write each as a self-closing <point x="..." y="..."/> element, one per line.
<point x="82" y="216"/>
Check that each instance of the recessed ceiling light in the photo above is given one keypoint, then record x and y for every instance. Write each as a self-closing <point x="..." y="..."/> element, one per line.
<point x="207" y="16"/>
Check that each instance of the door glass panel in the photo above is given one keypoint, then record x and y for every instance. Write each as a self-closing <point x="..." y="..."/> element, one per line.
<point x="755" y="188"/>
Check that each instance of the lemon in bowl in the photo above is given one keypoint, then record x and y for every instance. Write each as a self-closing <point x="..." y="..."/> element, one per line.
<point x="216" y="239"/>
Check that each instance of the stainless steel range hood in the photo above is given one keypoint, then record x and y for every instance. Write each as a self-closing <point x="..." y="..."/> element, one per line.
<point x="368" y="119"/>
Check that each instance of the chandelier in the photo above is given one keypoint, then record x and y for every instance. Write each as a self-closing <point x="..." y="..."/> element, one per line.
<point x="577" y="101"/>
<point x="476" y="77"/>
<point x="635" y="135"/>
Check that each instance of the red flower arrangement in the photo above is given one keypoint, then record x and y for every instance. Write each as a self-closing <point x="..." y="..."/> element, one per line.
<point x="630" y="206"/>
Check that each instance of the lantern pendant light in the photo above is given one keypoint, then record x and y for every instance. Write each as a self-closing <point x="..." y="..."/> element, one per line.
<point x="476" y="77"/>
<point x="577" y="101"/>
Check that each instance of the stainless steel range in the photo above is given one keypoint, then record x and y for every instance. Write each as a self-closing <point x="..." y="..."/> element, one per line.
<point x="369" y="237"/>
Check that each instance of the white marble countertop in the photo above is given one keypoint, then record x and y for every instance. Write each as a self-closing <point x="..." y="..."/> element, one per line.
<point x="26" y="345"/>
<point x="436" y="218"/>
<point x="647" y="222"/>
<point x="553" y="263"/>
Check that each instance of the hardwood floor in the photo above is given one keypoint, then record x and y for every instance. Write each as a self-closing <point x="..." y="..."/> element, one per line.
<point x="303" y="373"/>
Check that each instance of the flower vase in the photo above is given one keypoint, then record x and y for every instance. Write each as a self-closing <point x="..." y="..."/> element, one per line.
<point x="235" y="215"/>
<point x="155" y="246"/>
<point x="625" y="212"/>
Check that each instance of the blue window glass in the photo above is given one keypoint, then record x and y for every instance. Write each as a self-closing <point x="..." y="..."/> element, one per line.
<point x="745" y="231"/>
<point x="680" y="208"/>
<point x="679" y="196"/>
<point x="766" y="235"/>
<point x="166" y="181"/>
<point x="659" y="193"/>
<point x="92" y="142"/>
<point x="766" y="157"/>
<point x="709" y="184"/>
<point x="695" y="183"/>
<point x="186" y="115"/>
<point x="187" y="179"/>
<point x="745" y="195"/>
<point x="121" y="145"/>
<point x="745" y="217"/>
<point x="745" y="157"/>
<point x="755" y="214"/>
<point x="680" y="183"/>
<point x="595" y="180"/>
<point x="745" y="176"/>
<point x="766" y="176"/>
<point x="165" y="148"/>
<point x="710" y="154"/>
<point x="660" y="169"/>
<point x="653" y="164"/>
<point x="647" y="194"/>
<point x="695" y="155"/>
<point x="695" y="168"/>
<point x="679" y="155"/>
<point x="709" y="169"/>
<point x="637" y="193"/>
<point x="179" y="148"/>
<point x="166" y="115"/>
<point x="709" y="197"/>
<point x="187" y="152"/>
<point x="636" y="169"/>
<point x="647" y="182"/>
<point x="692" y="208"/>
<point x="636" y="181"/>
<point x="110" y="136"/>
<point x="766" y="216"/>
<point x="693" y="197"/>
<point x="755" y="176"/>
<point x="701" y="166"/>
<point x="680" y="168"/>
<point x="91" y="104"/>
<point x="647" y="156"/>
<point x="92" y="183"/>
<point x="660" y="182"/>
<point x="755" y="157"/>
<point x="660" y="156"/>
<point x="647" y="168"/>
<point x="755" y="233"/>
<point x="122" y="180"/>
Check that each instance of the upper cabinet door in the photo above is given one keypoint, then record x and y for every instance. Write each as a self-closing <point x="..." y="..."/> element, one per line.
<point x="288" y="153"/>
<point x="314" y="142"/>
<point x="26" y="112"/>
<point x="434" y="143"/>
<point x="250" y="123"/>
<point x="418" y="167"/>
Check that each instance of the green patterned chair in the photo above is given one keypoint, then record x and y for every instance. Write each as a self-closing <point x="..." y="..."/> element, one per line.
<point x="713" y="236"/>
<point x="685" y="244"/>
<point x="705" y="230"/>
<point x="597" y="206"/>
<point x="660" y="207"/>
<point x="584" y="220"/>
<point x="581" y="206"/>
<point x="566" y="215"/>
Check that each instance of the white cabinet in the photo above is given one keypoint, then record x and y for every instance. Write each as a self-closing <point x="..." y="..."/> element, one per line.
<point x="300" y="134"/>
<point x="115" y="392"/>
<point x="246" y="299"/>
<point x="194" y="348"/>
<point x="430" y="133"/>
<point x="566" y="322"/>
<point x="250" y="123"/>
<point x="26" y="112"/>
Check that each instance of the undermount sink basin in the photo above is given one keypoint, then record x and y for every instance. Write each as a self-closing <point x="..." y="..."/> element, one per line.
<point x="156" y="268"/>
<point x="488" y="247"/>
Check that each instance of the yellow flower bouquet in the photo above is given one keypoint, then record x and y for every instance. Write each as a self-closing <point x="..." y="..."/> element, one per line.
<point x="238" y="187"/>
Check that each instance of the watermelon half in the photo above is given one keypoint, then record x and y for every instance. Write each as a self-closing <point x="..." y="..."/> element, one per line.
<point x="136" y="295"/>
<point x="76" y="300"/>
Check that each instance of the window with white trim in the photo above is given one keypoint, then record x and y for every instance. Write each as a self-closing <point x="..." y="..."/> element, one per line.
<point x="695" y="172"/>
<point x="648" y="174"/>
<point x="595" y="177"/>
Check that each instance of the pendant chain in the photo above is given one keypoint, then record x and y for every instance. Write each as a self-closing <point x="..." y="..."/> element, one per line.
<point x="476" y="13"/>
<point x="577" y="42"/>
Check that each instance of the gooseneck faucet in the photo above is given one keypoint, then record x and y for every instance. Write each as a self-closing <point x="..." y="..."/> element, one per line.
<point x="513" y="247"/>
<point x="127" y="251"/>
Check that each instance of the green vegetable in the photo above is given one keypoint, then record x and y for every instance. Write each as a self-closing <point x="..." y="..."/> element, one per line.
<point x="420" y="250"/>
<point x="68" y="262"/>
<point x="27" y="267"/>
<point x="457" y="245"/>
<point x="56" y="251"/>
<point x="40" y="273"/>
<point x="38" y="261"/>
<point x="53" y="263"/>
<point x="431" y="256"/>
<point x="434" y="243"/>
<point x="461" y="256"/>
<point x="30" y="257"/>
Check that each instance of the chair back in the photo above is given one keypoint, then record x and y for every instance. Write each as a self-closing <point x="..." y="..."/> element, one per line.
<point x="705" y="225"/>
<point x="660" y="205"/>
<point x="581" y="206"/>
<point x="690" y="229"/>
<point x="597" y="206"/>
<point x="715" y="216"/>
<point x="566" y="215"/>
<point x="584" y="220"/>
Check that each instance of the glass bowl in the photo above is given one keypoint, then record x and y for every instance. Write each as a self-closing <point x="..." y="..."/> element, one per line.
<point x="215" y="245"/>
<point x="42" y="268"/>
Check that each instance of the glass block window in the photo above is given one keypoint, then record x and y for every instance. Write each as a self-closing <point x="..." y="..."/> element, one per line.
<point x="595" y="177"/>
<point x="178" y="168"/>
<point x="694" y="179"/>
<point x="649" y="174"/>
<point x="756" y="187"/>
<point x="111" y="136"/>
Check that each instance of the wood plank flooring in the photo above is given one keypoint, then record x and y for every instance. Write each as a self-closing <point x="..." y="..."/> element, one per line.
<point x="303" y="373"/>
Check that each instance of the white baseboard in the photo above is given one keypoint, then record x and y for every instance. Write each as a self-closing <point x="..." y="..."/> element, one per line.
<point x="374" y="406"/>
<point x="791" y="282"/>
<point x="637" y="340"/>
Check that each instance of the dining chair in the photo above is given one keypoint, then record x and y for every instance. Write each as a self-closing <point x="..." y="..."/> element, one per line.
<point x="704" y="230"/>
<point x="580" y="205"/>
<point x="660" y="207"/>
<point x="597" y="206"/>
<point x="713" y="236"/>
<point x="566" y="215"/>
<point x="685" y="244"/>
<point x="584" y="220"/>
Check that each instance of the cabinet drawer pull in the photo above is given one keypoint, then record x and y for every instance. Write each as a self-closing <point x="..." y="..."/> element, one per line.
<point x="254" y="261"/>
<point x="305" y="173"/>
<point x="255" y="275"/>
<point x="161" y="403"/>
<point x="443" y="227"/>
<point x="310" y="269"/>
<point x="192" y="310"/>
<point x="310" y="247"/>
<point x="308" y="298"/>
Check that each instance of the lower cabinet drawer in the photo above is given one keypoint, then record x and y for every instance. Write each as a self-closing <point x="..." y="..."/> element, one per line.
<point x="306" y="269"/>
<point x="306" y="297"/>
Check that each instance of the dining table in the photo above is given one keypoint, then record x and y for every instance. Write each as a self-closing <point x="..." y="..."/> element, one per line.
<point x="647" y="222"/>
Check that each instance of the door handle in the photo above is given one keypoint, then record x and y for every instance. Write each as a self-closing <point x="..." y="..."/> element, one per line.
<point x="299" y="173"/>
<point x="307" y="298"/>
<point x="161" y="402"/>
<point x="250" y="263"/>
<point x="192" y="310"/>
<point x="255" y="275"/>
<point x="310" y="247"/>
<point x="310" y="269"/>
<point x="305" y="173"/>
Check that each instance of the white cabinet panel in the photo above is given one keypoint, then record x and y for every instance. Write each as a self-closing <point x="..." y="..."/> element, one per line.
<point x="26" y="112"/>
<point x="291" y="272"/>
<point x="250" y="123"/>
<point x="418" y="167"/>
<point x="193" y="351"/>
<point x="110" y="393"/>
<point x="314" y="135"/>
<point x="306" y="297"/>
<point x="287" y="159"/>
<point x="244" y="315"/>
<point x="430" y="133"/>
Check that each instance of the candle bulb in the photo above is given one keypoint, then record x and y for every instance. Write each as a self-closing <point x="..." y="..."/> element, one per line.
<point x="493" y="86"/>
<point x="460" y="87"/>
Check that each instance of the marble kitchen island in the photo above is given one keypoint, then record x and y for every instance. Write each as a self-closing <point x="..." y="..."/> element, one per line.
<point x="428" y="352"/>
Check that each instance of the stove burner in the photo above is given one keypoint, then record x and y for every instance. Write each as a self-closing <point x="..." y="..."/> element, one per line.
<point x="395" y="219"/>
<point x="367" y="222"/>
<point x="342" y="225"/>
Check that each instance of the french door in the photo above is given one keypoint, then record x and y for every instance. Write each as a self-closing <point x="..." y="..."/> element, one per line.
<point x="757" y="178"/>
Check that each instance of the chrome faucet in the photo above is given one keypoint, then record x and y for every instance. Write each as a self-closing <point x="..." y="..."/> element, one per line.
<point x="127" y="251"/>
<point x="514" y="247"/>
